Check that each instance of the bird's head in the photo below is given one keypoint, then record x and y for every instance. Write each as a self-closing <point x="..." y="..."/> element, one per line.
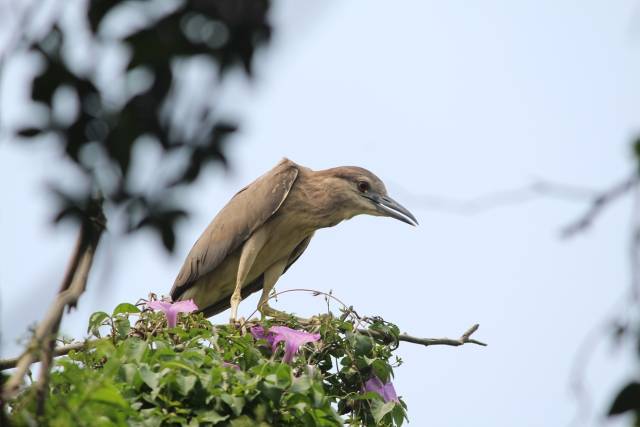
<point x="358" y="191"/>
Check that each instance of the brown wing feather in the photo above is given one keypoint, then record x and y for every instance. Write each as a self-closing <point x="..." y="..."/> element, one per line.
<point x="232" y="226"/>
<point x="222" y="304"/>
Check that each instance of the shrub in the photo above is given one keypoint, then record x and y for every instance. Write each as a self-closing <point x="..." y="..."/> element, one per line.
<point x="136" y="371"/>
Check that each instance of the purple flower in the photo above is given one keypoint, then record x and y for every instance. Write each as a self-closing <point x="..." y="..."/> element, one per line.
<point x="386" y="391"/>
<point x="292" y="338"/>
<point x="171" y="310"/>
<point x="259" y="334"/>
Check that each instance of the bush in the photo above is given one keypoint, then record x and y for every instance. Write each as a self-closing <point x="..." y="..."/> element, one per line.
<point x="197" y="373"/>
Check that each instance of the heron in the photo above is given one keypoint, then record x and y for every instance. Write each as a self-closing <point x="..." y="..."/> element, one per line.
<point x="267" y="225"/>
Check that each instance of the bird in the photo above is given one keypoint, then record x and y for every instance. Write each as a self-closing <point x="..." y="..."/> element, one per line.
<point x="267" y="225"/>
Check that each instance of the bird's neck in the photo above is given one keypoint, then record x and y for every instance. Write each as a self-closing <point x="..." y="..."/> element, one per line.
<point x="316" y="201"/>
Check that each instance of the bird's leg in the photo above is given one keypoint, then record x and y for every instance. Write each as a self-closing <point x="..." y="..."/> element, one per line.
<point x="250" y="250"/>
<point x="271" y="276"/>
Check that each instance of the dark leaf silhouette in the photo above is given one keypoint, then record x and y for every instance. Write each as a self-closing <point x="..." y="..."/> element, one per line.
<point x="29" y="132"/>
<point x="161" y="219"/>
<point x="226" y="32"/>
<point x="628" y="399"/>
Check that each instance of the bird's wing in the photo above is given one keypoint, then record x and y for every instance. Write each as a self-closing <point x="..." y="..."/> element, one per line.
<point x="245" y="212"/>
<point x="297" y="252"/>
<point x="223" y="303"/>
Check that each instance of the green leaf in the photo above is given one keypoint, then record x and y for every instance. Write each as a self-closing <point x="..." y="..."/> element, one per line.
<point x="211" y="416"/>
<point x="300" y="384"/>
<point x="379" y="410"/>
<point x="185" y="383"/>
<point x="179" y="365"/>
<point x="95" y="321"/>
<point x="369" y="395"/>
<point x="128" y="372"/>
<point x="362" y="344"/>
<point x="346" y="326"/>
<point x="382" y="370"/>
<point x="122" y="326"/>
<point x="283" y="375"/>
<point x="125" y="307"/>
<point x="236" y="403"/>
<point x="271" y="392"/>
<point x="136" y="349"/>
<point x="150" y="378"/>
<point x="150" y="418"/>
<point x="243" y="421"/>
<point x="108" y="394"/>
<point x="398" y="415"/>
<point x="346" y="361"/>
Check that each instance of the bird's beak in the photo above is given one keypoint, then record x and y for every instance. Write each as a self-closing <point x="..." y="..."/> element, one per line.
<point x="389" y="207"/>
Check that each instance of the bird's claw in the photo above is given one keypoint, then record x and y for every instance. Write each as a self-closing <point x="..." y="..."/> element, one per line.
<point x="237" y="322"/>
<point x="315" y="320"/>
<point x="267" y="311"/>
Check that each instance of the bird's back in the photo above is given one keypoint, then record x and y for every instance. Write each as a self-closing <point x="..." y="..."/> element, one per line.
<point x="236" y="221"/>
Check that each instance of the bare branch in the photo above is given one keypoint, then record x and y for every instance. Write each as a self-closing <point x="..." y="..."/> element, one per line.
<point x="508" y="197"/>
<point x="73" y="285"/>
<point x="464" y="339"/>
<point x="598" y="203"/>
<point x="58" y="351"/>
<point x="519" y="195"/>
<point x="634" y="246"/>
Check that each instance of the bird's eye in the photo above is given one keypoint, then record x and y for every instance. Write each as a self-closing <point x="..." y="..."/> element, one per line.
<point x="363" y="186"/>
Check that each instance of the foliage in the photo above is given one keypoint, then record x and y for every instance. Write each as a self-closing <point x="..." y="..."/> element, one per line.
<point x="100" y="119"/>
<point x="627" y="400"/>
<point x="145" y="374"/>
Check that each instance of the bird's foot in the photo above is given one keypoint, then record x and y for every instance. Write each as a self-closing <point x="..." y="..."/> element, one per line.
<point x="267" y="311"/>
<point x="237" y="322"/>
<point x="315" y="320"/>
<point x="283" y="316"/>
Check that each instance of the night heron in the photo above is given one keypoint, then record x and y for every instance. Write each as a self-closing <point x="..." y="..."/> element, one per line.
<point x="267" y="225"/>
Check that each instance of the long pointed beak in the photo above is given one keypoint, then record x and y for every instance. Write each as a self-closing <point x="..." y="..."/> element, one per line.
<point x="389" y="207"/>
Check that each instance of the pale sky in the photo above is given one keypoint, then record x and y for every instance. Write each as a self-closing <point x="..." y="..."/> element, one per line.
<point x="454" y="99"/>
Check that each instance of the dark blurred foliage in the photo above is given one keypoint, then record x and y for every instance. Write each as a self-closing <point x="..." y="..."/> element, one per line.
<point x="627" y="399"/>
<point x="103" y="134"/>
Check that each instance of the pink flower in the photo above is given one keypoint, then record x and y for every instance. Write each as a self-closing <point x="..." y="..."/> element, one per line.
<point x="292" y="338"/>
<point x="387" y="391"/>
<point x="171" y="310"/>
<point x="259" y="334"/>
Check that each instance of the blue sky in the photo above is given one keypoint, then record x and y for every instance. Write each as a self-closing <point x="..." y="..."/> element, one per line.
<point x="436" y="98"/>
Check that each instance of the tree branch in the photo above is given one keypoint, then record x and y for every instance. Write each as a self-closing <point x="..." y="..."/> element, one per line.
<point x="598" y="203"/>
<point x="508" y="197"/>
<point x="73" y="285"/>
<point x="63" y="350"/>
<point x="464" y="339"/>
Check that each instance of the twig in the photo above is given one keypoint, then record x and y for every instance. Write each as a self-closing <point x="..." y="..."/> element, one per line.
<point x="598" y="203"/>
<point x="464" y="339"/>
<point x="348" y="311"/>
<point x="518" y="195"/>
<point x="58" y="351"/>
<point x="72" y="287"/>
<point x="634" y="245"/>
<point x="312" y="291"/>
<point x="68" y="297"/>
<point x="508" y="197"/>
